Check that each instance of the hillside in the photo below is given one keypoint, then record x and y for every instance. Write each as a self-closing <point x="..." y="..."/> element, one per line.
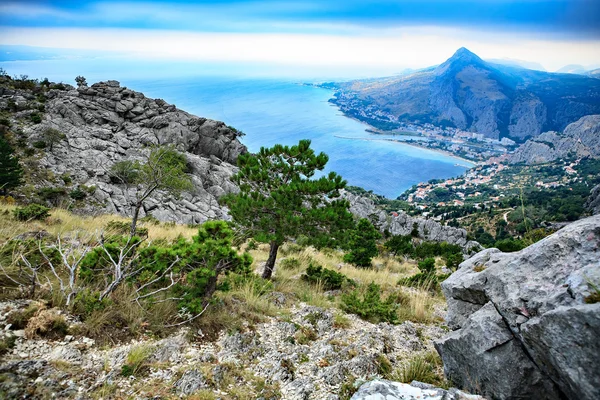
<point x="470" y="94"/>
<point x="579" y="139"/>
<point x="69" y="138"/>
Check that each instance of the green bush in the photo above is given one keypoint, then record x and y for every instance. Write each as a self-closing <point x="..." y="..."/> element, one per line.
<point x="371" y="307"/>
<point x="510" y="245"/>
<point x="427" y="266"/>
<point x="31" y="212"/>
<point x="329" y="279"/>
<point x="40" y="144"/>
<point x="51" y="193"/>
<point x="77" y="194"/>
<point x="86" y="302"/>
<point x="35" y="118"/>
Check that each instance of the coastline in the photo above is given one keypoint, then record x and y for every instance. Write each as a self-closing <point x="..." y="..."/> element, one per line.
<point x="443" y="152"/>
<point x="371" y="130"/>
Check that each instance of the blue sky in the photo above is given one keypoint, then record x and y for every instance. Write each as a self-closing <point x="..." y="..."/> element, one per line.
<point x="377" y="35"/>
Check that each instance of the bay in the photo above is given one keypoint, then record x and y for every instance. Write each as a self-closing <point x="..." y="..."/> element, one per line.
<point x="268" y="111"/>
<point x="280" y="111"/>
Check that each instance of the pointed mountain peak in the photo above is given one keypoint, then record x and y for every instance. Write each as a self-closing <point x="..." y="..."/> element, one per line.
<point x="463" y="54"/>
<point x="462" y="58"/>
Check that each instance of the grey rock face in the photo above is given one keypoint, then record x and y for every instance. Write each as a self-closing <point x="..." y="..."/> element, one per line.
<point x="402" y="224"/>
<point x="105" y="123"/>
<point x="581" y="138"/>
<point x="523" y="328"/>
<point x="387" y="390"/>
<point x="593" y="202"/>
<point x="190" y="382"/>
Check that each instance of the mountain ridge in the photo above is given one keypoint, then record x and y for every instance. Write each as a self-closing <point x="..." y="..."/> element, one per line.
<point x="471" y="94"/>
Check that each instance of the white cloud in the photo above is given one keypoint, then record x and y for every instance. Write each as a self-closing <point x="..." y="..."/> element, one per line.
<point x="381" y="50"/>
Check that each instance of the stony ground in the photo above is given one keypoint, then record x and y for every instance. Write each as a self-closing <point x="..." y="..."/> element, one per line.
<point x="301" y="354"/>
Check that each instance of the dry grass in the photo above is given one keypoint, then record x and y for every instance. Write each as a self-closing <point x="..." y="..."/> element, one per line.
<point x="423" y="367"/>
<point x="46" y="323"/>
<point x="62" y="222"/>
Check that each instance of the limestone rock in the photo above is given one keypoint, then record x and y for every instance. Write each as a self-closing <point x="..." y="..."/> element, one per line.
<point x="381" y="389"/>
<point x="593" y="201"/>
<point x="106" y="123"/>
<point x="523" y="327"/>
<point x="581" y="138"/>
<point x="402" y="223"/>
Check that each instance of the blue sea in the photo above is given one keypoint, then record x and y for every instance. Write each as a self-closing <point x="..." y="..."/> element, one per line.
<point x="285" y="111"/>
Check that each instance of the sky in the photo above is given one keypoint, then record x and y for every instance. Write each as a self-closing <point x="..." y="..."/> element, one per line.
<point x="352" y="37"/>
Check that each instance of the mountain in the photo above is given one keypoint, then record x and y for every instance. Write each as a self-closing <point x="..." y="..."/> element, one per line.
<point x="471" y="94"/>
<point x="572" y="69"/>
<point x="594" y="73"/>
<point x="517" y="63"/>
<point x="581" y="138"/>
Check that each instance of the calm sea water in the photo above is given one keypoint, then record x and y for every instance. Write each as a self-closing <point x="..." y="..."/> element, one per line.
<point x="275" y="111"/>
<point x="270" y="112"/>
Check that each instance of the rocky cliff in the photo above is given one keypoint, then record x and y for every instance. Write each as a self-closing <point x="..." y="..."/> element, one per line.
<point x="593" y="201"/>
<point x="526" y="324"/>
<point x="471" y="94"/>
<point x="402" y="223"/>
<point x="106" y="123"/>
<point x="580" y="139"/>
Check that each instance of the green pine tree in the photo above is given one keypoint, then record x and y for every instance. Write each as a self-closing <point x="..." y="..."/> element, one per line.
<point x="11" y="172"/>
<point x="363" y="244"/>
<point x="279" y="201"/>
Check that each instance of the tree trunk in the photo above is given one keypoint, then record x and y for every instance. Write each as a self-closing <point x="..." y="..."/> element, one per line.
<point x="270" y="265"/>
<point x="136" y="214"/>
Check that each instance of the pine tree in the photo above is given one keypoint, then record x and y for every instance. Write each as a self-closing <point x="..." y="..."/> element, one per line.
<point x="279" y="201"/>
<point x="363" y="244"/>
<point x="11" y="172"/>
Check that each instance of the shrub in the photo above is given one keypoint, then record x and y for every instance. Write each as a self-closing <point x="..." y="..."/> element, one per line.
<point x="510" y="245"/>
<point x="424" y="368"/>
<point x="137" y="360"/>
<point x="35" y="118"/>
<point x="31" y="212"/>
<point x="19" y="319"/>
<point x="7" y="343"/>
<point x="86" y="302"/>
<point x="289" y="263"/>
<point x="51" y="193"/>
<point x="47" y="324"/>
<point x="427" y="266"/>
<point x="371" y="307"/>
<point x="77" y="194"/>
<point x="39" y="144"/>
<point x="329" y="279"/>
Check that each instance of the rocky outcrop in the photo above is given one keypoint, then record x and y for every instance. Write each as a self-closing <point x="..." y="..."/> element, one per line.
<point x="593" y="201"/>
<point x="580" y="139"/>
<point x="525" y="325"/>
<point x="383" y="389"/>
<point x="106" y="123"/>
<point x="403" y="224"/>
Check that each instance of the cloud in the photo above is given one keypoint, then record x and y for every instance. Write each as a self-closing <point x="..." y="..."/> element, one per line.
<point x="539" y="18"/>
<point x="389" y="50"/>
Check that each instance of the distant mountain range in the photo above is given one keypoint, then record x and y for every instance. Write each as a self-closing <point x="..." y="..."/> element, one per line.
<point x="471" y="94"/>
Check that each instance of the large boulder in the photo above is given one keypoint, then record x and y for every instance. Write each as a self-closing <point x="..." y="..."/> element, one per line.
<point x="526" y="324"/>
<point x="381" y="389"/>
<point x="593" y="201"/>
